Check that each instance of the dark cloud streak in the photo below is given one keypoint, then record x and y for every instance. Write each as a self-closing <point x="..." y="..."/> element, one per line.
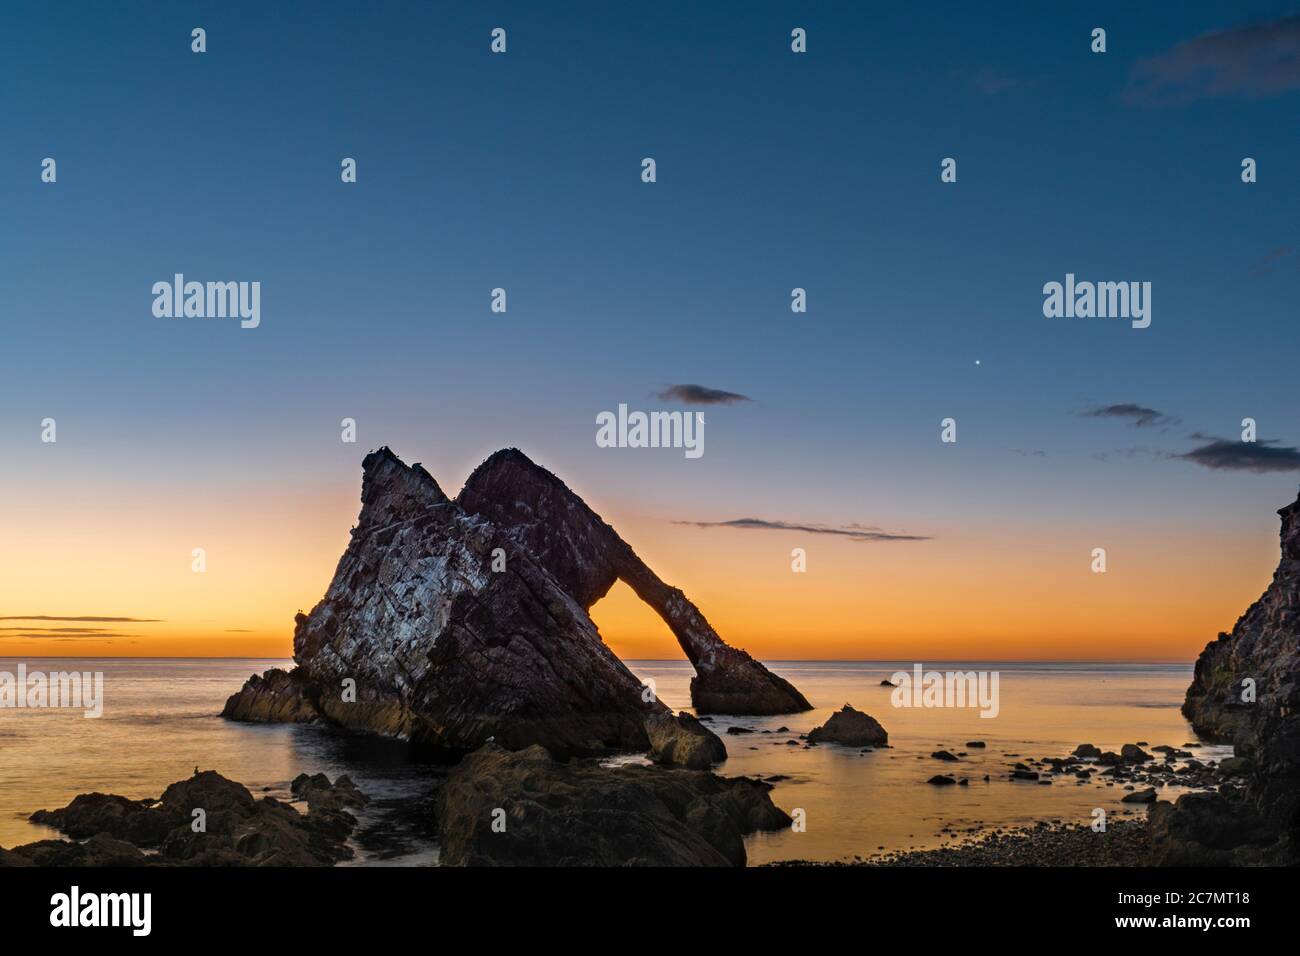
<point x="1138" y="416"/>
<point x="701" y="395"/>
<point x="853" y="531"/>
<point x="1221" y="454"/>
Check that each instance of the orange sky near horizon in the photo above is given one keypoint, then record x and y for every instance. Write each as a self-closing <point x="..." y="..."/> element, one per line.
<point x="973" y="593"/>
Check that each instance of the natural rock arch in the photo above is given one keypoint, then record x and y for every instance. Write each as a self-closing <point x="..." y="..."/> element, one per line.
<point x="586" y="556"/>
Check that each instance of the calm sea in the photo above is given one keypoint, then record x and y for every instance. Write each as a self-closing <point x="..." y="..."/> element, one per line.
<point x="160" y="722"/>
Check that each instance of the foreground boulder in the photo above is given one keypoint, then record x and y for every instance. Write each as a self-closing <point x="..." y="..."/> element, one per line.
<point x="1264" y="648"/>
<point x="852" y="728"/>
<point x="1209" y="829"/>
<point x="682" y="741"/>
<point x="237" y="830"/>
<point x="455" y="623"/>
<point x="524" y="808"/>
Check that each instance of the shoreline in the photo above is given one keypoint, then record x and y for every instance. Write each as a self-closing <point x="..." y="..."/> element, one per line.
<point x="1125" y="843"/>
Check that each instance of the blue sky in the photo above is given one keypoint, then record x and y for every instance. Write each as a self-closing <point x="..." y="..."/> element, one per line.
<point x="774" y="171"/>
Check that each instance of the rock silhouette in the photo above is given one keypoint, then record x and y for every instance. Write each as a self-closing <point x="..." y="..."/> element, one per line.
<point x="586" y="556"/>
<point x="503" y="808"/>
<point x="1263" y="648"/>
<point x="110" y="830"/>
<point x="454" y="622"/>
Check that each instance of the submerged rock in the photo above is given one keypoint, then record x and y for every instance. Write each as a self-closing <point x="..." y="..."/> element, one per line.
<point x="524" y="808"/>
<point x="850" y="727"/>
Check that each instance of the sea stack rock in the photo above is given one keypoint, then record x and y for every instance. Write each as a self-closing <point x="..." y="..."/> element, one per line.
<point x="586" y="556"/>
<point x="1263" y="647"/>
<point x="442" y="627"/>
<point x="853" y="728"/>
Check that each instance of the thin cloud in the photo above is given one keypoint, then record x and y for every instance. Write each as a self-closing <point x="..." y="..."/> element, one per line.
<point x="54" y="636"/>
<point x="1139" y="451"/>
<point x="855" y="532"/>
<point x="701" y="395"/>
<point x="1269" y="264"/>
<point x="1255" y="61"/>
<point x="63" y="630"/>
<point x="86" y="617"/>
<point x="1222" y="454"/>
<point x="1137" y="415"/>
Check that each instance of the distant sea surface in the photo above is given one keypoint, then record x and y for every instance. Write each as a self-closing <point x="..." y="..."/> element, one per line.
<point x="160" y="721"/>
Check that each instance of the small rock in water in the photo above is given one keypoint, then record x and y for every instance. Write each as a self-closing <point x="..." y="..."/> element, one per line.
<point x="1141" y="796"/>
<point x="941" y="780"/>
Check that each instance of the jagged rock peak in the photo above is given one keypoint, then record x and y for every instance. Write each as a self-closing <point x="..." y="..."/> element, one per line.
<point x="1291" y="529"/>
<point x="384" y="473"/>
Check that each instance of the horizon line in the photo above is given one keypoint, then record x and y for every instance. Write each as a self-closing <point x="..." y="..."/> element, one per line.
<point x="677" y="660"/>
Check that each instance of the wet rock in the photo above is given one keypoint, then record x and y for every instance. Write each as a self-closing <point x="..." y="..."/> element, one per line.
<point x="1087" y="751"/>
<point x="549" y="813"/>
<point x="1235" y="766"/>
<point x="850" y="727"/>
<point x="941" y="780"/>
<point x="276" y="696"/>
<point x="235" y="830"/>
<point x="1131" y="753"/>
<point x="1140" y="796"/>
<point x="975" y="744"/>
<point x="682" y="741"/>
<point x="1209" y="829"/>
<point x="943" y="755"/>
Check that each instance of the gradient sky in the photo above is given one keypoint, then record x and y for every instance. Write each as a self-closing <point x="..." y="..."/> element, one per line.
<point x="775" y="170"/>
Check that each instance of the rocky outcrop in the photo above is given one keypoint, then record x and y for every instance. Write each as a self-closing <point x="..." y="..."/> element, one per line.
<point x="853" y="728"/>
<point x="1264" y="650"/>
<point x="419" y="637"/>
<point x="682" y="741"/>
<point x="1208" y="829"/>
<point x="455" y="623"/>
<point x="523" y="808"/>
<point x="236" y="829"/>
<point x="587" y="556"/>
<point x="277" y="696"/>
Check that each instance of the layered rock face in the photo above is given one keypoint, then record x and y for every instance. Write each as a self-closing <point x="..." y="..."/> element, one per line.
<point x="586" y="556"/>
<point x="418" y="637"/>
<point x="1264" y="646"/>
<point x="445" y="627"/>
